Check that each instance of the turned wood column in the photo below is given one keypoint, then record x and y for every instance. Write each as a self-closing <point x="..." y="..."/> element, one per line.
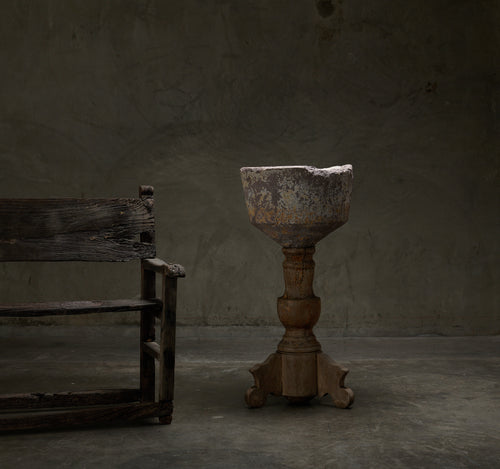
<point x="299" y="308"/>
<point x="299" y="370"/>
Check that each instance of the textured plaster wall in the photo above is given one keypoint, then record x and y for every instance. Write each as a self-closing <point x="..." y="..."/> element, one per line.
<point x="97" y="97"/>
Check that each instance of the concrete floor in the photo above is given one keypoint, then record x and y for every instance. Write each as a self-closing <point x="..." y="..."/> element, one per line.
<point x="420" y="402"/>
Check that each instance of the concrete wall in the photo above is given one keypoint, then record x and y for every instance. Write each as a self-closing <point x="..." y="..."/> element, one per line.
<point x="97" y="97"/>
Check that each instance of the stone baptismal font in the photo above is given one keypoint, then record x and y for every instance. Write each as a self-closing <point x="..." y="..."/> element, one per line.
<point x="297" y="206"/>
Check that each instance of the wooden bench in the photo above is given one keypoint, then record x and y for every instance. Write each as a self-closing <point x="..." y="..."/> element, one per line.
<point x="110" y="230"/>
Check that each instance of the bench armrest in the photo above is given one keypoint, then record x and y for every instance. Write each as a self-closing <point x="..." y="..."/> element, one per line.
<point x="161" y="267"/>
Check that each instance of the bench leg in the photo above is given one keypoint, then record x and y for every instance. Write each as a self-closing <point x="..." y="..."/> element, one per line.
<point x="147" y="362"/>
<point x="167" y="347"/>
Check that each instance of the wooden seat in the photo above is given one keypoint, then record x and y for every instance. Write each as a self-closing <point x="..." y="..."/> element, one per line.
<point x="26" y="310"/>
<point x="105" y="230"/>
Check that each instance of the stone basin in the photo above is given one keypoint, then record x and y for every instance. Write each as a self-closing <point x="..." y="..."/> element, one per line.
<point x="297" y="205"/>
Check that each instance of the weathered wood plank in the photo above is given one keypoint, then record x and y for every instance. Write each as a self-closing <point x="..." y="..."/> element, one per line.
<point x="65" y="399"/>
<point x="75" y="229"/>
<point x="45" y="217"/>
<point x="162" y="267"/>
<point x="78" y="307"/>
<point x="79" y="417"/>
<point x="148" y="290"/>
<point x="168" y="329"/>
<point x="78" y="247"/>
<point x="92" y="230"/>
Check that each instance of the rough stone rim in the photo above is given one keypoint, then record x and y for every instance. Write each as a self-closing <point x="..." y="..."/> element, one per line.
<point x="312" y="169"/>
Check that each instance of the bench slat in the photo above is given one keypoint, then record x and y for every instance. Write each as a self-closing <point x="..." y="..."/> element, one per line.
<point x="95" y="415"/>
<point x="77" y="307"/>
<point x="75" y="229"/>
<point x="40" y="400"/>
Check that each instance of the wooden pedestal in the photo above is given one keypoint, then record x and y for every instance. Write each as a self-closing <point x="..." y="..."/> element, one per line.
<point x="299" y="370"/>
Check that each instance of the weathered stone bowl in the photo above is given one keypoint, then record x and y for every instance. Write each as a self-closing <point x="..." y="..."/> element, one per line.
<point x="297" y="205"/>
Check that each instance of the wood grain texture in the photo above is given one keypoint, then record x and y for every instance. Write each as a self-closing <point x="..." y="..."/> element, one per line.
<point x="168" y="329"/>
<point x="38" y="400"/>
<point x="75" y="229"/>
<point x="147" y="331"/>
<point x="78" y="307"/>
<point x="267" y="378"/>
<point x="78" y="417"/>
<point x="331" y="378"/>
<point x="162" y="267"/>
<point x="299" y="370"/>
<point x="94" y="230"/>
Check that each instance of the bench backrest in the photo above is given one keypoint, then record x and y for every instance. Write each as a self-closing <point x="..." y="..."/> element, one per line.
<point x="78" y="229"/>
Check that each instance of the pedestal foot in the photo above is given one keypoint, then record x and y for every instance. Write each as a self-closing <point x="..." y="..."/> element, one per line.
<point x="331" y="377"/>
<point x="267" y="378"/>
<point x="299" y="377"/>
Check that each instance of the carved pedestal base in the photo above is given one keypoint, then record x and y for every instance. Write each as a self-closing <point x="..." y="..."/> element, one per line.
<point x="299" y="377"/>
<point x="299" y="370"/>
